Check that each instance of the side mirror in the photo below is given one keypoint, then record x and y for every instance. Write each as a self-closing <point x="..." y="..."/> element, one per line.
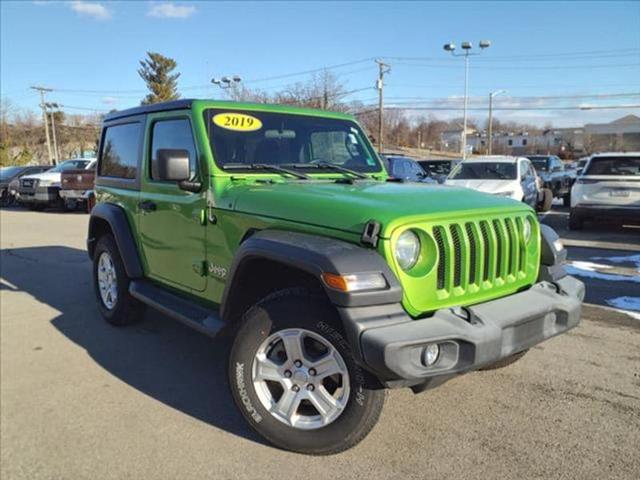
<point x="170" y="165"/>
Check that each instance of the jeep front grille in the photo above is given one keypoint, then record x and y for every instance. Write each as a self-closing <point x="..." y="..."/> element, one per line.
<point x="481" y="253"/>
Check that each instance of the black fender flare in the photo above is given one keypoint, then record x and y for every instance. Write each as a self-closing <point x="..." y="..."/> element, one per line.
<point x="316" y="255"/>
<point x="116" y="218"/>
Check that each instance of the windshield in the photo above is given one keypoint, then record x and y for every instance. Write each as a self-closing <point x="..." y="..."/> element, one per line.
<point x="540" y="163"/>
<point x="437" y="167"/>
<point x="484" y="171"/>
<point x="70" y="165"/>
<point x="628" y="166"/>
<point x="241" y="139"/>
<point x="9" y="172"/>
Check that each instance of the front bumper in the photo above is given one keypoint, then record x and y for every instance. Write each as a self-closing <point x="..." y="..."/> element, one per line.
<point x="39" y="195"/>
<point x="75" y="194"/>
<point x="392" y="344"/>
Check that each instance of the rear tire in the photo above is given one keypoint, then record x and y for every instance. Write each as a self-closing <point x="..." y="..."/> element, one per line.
<point x="111" y="285"/>
<point x="547" y="200"/>
<point x="325" y="413"/>
<point x="575" y="222"/>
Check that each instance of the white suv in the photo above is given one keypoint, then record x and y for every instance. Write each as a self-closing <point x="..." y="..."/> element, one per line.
<point x="608" y="189"/>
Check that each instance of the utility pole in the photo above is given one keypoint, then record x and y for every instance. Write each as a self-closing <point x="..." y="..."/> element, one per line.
<point x="490" y="139"/>
<point x="42" y="90"/>
<point x="383" y="68"/>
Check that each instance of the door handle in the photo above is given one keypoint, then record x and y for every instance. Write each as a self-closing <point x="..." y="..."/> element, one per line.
<point x="147" y="206"/>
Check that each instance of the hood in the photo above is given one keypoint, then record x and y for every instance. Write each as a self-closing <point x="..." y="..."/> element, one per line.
<point x="349" y="207"/>
<point x="50" y="176"/>
<point x="487" y="186"/>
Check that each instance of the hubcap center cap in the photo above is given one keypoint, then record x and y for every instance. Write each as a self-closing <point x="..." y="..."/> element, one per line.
<point x="300" y="376"/>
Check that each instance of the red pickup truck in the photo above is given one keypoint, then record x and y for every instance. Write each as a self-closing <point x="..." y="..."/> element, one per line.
<point x="76" y="189"/>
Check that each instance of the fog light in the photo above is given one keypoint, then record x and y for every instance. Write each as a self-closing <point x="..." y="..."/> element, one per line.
<point x="431" y="354"/>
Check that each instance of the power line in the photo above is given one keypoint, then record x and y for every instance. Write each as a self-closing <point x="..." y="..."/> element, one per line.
<point x="444" y="85"/>
<point x="313" y="70"/>
<point x="585" y="54"/>
<point x="524" y="109"/>
<point x="528" y="67"/>
<point x="548" y="97"/>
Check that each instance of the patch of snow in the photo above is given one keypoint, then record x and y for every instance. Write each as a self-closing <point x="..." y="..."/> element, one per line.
<point x="628" y="305"/>
<point x="622" y="259"/>
<point x="591" y="267"/>
<point x="574" y="269"/>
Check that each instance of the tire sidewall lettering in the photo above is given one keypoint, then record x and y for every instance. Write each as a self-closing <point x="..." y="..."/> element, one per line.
<point x="358" y="375"/>
<point x="243" y="394"/>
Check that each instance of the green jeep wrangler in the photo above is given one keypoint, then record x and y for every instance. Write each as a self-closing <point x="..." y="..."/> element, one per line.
<point x="279" y="227"/>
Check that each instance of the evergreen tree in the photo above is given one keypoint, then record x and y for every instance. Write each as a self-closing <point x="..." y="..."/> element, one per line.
<point x="156" y="71"/>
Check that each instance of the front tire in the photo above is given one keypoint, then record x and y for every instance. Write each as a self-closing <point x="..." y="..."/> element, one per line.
<point x="294" y="378"/>
<point x="111" y="285"/>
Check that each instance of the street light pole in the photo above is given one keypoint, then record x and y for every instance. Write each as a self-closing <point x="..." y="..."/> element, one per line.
<point x="56" y="153"/>
<point x="225" y="83"/>
<point x="466" y="46"/>
<point x="466" y="96"/>
<point x="490" y="139"/>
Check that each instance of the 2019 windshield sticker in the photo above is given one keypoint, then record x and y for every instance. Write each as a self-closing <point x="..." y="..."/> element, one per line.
<point x="238" y="122"/>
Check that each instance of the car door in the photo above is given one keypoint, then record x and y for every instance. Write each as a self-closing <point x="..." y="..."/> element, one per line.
<point x="172" y="220"/>
<point x="529" y="186"/>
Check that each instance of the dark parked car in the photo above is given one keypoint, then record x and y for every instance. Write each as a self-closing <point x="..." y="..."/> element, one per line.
<point x="554" y="176"/>
<point x="10" y="178"/>
<point x="439" y="169"/>
<point x="405" y="168"/>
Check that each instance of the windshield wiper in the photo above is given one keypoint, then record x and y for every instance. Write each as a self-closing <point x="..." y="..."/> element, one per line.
<point x="338" y="168"/>
<point x="266" y="166"/>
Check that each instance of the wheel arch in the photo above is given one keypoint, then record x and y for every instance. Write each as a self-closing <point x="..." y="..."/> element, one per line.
<point x="271" y="260"/>
<point x="111" y="218"/>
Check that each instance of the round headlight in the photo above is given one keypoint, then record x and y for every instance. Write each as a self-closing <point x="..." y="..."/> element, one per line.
<point x="526" y="227"/>
<point x="407" y="250"/>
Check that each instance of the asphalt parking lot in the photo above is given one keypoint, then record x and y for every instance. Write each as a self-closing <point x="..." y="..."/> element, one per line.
<point x="81" y="399"/>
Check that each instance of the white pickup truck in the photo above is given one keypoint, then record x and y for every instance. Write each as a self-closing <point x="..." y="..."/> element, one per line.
<point x="43" y="189"/>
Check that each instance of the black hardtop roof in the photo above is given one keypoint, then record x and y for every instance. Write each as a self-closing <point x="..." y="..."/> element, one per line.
<point x="155" y="107"/>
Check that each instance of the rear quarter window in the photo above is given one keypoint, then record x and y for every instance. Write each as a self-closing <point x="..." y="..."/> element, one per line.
<point x="119" y="156"/>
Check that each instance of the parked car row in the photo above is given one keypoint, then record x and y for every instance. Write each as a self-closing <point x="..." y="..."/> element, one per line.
<point x="68" y="185"/>
<point x="605" y="186"/>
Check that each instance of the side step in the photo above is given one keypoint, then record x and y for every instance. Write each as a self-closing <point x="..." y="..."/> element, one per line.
<point x="191" y="314"/>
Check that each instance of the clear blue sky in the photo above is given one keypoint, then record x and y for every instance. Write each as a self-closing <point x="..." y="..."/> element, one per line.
<point x="96" y="46"/>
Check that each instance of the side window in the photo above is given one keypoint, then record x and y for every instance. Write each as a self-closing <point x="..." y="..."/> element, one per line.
<point x="331" y="147"/>
<point x="120" y="151"/>
<point x="174" y="134"/>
